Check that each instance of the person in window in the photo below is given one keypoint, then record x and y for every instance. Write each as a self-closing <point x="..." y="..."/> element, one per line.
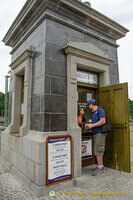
<point x="81" y="117"/>
<point x="98" y="119"/>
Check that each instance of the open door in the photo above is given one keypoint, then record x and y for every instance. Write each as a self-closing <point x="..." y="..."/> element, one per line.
<point x="114" y="100"/>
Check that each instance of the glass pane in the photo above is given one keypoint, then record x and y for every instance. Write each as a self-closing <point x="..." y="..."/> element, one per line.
<point x="83" y="98"/>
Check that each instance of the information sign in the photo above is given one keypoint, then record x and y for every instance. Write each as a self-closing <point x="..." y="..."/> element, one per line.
<point x="59" y="159"/>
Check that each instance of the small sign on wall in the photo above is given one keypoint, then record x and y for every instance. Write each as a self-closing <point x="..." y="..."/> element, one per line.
<point x="87" y="77"/>
<point x="86" y="148"/>
<point x="59" y="159"/>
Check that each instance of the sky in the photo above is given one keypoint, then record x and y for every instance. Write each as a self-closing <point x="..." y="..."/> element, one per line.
<point x="120" y="11"/>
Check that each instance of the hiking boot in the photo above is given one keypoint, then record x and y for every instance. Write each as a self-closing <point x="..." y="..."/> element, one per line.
<point x="97" y="171"/>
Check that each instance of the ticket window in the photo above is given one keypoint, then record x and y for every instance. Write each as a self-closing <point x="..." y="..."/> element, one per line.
<point x="83" y="96"/>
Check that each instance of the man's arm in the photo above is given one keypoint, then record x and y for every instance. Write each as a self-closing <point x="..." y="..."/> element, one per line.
<point x="99" y="123"/>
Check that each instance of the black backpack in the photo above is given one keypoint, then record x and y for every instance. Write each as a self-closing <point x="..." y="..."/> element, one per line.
<point x="107" y="127"/>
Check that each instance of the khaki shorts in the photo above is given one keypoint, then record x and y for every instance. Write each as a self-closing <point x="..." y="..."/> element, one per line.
<point x="99" y="144"/>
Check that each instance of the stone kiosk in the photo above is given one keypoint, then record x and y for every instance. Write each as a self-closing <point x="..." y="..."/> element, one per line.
<point x="51" y="40"/>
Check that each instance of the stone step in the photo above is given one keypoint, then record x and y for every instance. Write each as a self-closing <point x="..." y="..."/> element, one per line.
<point x="87" y="180"/>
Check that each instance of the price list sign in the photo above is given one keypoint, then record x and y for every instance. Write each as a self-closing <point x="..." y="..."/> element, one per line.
<point x="59" y="159"/>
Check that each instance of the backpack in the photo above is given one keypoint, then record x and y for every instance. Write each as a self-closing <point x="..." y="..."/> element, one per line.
<point x="107" y="127"/>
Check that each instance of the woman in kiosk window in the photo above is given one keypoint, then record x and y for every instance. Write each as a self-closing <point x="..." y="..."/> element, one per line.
<point x="81" y="117"/>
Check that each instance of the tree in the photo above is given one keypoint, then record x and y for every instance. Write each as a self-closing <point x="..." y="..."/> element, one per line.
<point x="2" y="104"/>
<point x="131" y="108"/>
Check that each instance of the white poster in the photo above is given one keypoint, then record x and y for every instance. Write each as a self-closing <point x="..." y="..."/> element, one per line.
<point x="59" y="159"/>
<point x="87" y="148"/>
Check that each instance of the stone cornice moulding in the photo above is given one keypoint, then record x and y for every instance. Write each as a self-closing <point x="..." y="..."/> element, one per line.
<point x="60" y="20"/>
<point x="71" y="49"/>
<point x="21" y="58"/>
<point x="93" y="18"/>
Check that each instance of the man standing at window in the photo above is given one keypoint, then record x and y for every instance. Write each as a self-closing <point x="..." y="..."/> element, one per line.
<point x="98" y="119"/>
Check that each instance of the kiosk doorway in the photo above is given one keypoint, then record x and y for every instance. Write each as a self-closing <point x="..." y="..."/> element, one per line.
<point x="83" y="96"/>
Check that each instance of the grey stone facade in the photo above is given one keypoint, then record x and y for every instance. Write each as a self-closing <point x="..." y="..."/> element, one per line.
<point x="49" y="75"/>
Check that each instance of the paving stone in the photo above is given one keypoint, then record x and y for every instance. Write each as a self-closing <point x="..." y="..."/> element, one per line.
<point x="3" y="169"/>
<point x="11" y="188"/>
<point x="109" y="186"/>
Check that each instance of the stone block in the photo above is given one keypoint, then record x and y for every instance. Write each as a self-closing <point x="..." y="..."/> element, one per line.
<point x="55" y="52"/>
<point x="54" y="122"/>
<point x="55" y="35"/>
<point x="47" y="84"/>
<point x="48" y="50"/>
<point x="39" y="35"/>
<point x="58" y="86"/>
<point x="55" y="68"/>
<point x="46" y="123"/>
<point x="40" y="175"/>
<point x="23" y="178"/>
<point x="35" y="152"/>
<point x="15" y="159"/>
<point x="6" y="153"/>
<point x="55" y="104"/>
<point x="4" y="138"/>
<point x="19" y="162"/>
<point x="9" y="155"/>
<point x="30" y="169"/>
<point x="38" y="86"/>
<point x="39" y="152"/>
<point x="58" y="53"/>
<point x="16" y="143"/>
<point x="59" y="122"/>
<point x="76" y="38"/>
<point x="39" y="53"/>
<point x="35" y="104"/>
<point x="11" y="141"/>
<point x="27" y="146"/>
<point x="22" y="164"/>
<point x="38" y="68"/>
<point x="36" y="122"/>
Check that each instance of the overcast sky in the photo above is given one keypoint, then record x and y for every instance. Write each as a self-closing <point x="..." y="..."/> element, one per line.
<point x="119" y="10"/>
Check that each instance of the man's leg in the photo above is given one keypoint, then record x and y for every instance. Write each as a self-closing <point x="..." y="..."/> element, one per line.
<point x="99" y="160"/>
<point x="99" y="148"/>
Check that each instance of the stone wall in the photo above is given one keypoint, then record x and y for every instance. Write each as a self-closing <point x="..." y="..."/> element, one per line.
<point x="49" y="72"/>
<point x="36" y="40"/>
<point x="55" y="101"/>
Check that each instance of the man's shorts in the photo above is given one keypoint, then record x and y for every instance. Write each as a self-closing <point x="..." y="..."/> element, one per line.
<point x="99" y="144"/>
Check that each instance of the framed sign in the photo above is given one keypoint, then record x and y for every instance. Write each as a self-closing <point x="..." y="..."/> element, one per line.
<point x="87" y="77"/>
<point x="59" y="159"/>
<point x="87" y="147"/>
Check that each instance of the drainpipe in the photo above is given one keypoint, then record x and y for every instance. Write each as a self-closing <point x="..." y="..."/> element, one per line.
<point x="6" y="100"/>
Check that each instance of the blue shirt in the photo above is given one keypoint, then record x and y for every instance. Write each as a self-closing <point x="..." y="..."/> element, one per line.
<point x="96" y="115"/>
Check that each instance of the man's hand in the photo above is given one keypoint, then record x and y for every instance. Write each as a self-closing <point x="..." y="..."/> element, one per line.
<point x="99" y="123"/>
<point x="89" y="125"/>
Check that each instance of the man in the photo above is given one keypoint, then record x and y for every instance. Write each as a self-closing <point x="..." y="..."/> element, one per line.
<point x="98" y="119"/>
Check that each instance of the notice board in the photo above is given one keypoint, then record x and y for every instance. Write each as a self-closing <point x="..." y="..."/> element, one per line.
<point x="59" y="159"/>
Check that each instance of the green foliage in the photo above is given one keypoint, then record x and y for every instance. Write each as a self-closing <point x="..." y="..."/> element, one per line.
<point x="2" y="104"/>
<point x="131" y="108"/>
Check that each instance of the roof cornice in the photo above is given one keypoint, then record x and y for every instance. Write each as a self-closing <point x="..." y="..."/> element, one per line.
<point x="76" y="10"/>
